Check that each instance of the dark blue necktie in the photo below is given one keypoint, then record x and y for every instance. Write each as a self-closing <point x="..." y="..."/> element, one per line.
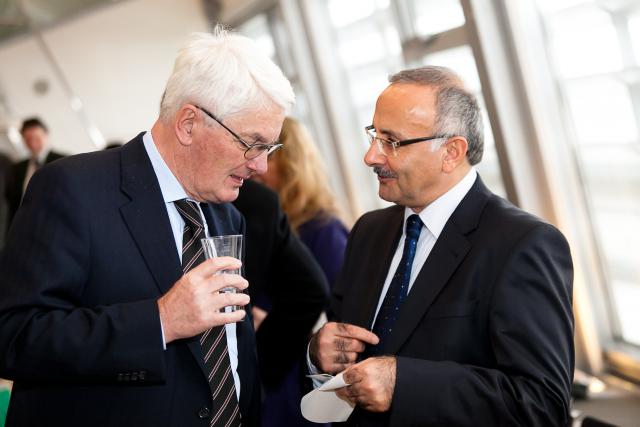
<point x="398" y="289"/>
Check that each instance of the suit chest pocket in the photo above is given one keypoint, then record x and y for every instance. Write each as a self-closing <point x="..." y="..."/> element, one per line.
<point x="452" y="309"/>
<point x="450" y="331"/>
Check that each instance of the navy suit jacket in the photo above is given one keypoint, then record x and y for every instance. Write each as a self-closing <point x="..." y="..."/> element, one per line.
<point x="485" y="336"/>
<point x="89" y="253"/>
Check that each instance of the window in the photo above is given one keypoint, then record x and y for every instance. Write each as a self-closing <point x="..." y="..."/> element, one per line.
<point x="375" y="38"/>
<point x="594" y="47"/>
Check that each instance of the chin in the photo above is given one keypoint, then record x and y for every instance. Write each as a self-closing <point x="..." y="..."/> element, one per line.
<point x="230" y="195"/>
<point x="387" y="197"/>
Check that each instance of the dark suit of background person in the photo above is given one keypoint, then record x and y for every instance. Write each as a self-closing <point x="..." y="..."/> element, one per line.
<point x="18" y="172"/>
<point x="114" y="254"/>
<point x="5" y="167"/>
<point x="485" y="335"/>
<point x="36" y="138"/>
<point x="279" y="267"/>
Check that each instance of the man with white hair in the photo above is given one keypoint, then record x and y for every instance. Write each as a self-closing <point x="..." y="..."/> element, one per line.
<point x="110" y="315"/>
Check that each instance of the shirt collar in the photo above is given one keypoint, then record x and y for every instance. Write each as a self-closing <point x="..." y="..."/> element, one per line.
<point x="41" y="158"/>
<point x="437" y="213"/>
<point x="169" y="185"/>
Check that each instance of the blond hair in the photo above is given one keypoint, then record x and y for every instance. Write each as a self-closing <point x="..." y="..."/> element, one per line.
<point x="304" y="190"/>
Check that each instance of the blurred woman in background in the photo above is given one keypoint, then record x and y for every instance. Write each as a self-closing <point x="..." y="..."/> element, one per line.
<point x="298" y="175"/>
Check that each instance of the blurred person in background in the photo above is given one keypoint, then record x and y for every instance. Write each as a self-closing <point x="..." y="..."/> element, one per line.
<point x="5" y="169"/>
<point x="298" y="175"/>
<point x="35" y="135"/>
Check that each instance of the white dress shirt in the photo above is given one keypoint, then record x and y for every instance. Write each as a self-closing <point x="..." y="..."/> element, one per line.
<point x="434" y="217"/>
<point x="33" y="165"/>
<point x="172" y="191"/>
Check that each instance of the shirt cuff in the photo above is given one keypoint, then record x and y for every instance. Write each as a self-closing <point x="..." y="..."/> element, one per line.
<point x="313" y="370"/>
<point x="164" y="342"/>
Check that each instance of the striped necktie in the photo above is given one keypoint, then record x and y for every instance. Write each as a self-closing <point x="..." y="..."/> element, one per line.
<point x="226" y="412"/>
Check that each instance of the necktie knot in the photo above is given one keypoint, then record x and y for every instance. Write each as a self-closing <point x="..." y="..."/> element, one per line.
<point x="189" y="212"/>
<point x="414" y="225"/>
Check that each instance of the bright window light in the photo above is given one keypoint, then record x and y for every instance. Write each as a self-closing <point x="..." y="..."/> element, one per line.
<point x="602" y="111"/>
<point x="435" y="16"/>
<point x="584" y="42"/>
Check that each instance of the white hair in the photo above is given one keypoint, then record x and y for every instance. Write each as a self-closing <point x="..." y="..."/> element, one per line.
<point x="226" y="74"/>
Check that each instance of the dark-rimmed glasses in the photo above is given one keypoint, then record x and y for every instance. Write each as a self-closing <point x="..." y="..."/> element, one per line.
<point x="252" y="150"/>
<point x="388" y="147"/>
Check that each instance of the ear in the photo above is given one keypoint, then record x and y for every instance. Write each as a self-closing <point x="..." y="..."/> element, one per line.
<point x="185" y="121"/>
<point x="455" y="153"/>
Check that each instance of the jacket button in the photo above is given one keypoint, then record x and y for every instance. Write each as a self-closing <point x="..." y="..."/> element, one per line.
<point x="203" y="413"/>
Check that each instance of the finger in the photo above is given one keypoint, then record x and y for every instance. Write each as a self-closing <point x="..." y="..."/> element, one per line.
<point x="336" y="368"/>
<point x="213" y="265"/>
<point x="225" y="299"/>
<point x="348" y="344"/>
<point x="352" y="331"/>
<point x="345" y="358"/>
<point x="352" y="376"/>
<point x="225" y="318"/>
<point x="222" y="281"/>
<point x="347" y="394"/>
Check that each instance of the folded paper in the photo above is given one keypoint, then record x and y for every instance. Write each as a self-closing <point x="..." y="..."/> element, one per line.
<point x="323" y="405"/>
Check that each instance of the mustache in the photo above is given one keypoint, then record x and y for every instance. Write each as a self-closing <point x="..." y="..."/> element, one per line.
<point x="383" y="173"/>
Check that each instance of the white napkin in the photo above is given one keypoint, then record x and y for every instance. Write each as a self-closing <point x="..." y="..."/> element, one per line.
<point x="323" y="405"/>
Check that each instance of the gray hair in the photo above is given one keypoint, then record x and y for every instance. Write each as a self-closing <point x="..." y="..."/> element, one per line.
<point x="225" y="73"/>
<point x="457" y="110"/>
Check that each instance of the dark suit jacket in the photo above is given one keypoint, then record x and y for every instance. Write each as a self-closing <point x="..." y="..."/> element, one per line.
<point x="485" y="337"/>
<point x="281" y="269"/>
<point x="15" y="182"/>
<point x="89" y="253"/>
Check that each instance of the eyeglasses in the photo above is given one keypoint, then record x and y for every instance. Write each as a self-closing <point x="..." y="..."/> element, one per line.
<point x="252" y="150"/>
<point x="388" y="147"/>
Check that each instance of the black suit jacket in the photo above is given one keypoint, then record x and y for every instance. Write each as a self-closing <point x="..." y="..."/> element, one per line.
<point x="485" y="337"/>
<point x="279" y="265"/>
<point x="89" y="253"/>
<point x="15" y="182"/>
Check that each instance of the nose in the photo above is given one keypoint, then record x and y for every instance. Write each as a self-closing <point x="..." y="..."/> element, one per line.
<point x="259" y="164"/>
<point x="373" y="156"/>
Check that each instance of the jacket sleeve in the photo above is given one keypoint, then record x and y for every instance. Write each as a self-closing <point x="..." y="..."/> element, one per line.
<point x="46" y="333"/>
<point x="531" y="326"/>
<point x="283" y="278"/>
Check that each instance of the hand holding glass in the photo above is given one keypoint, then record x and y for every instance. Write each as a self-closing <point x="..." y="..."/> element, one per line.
<point x="230" y="245"/>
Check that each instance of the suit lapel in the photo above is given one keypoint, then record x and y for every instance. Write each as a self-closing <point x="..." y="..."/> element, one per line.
<point x="146" y="215"/>
<point x="361" y="307"/>
<point x="449" y="251"/>
<point x="443" y="260"/>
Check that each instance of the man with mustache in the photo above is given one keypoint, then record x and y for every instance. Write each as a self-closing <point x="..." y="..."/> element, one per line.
<point x="110" y="315"/>
<point x="454" y="308"/>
